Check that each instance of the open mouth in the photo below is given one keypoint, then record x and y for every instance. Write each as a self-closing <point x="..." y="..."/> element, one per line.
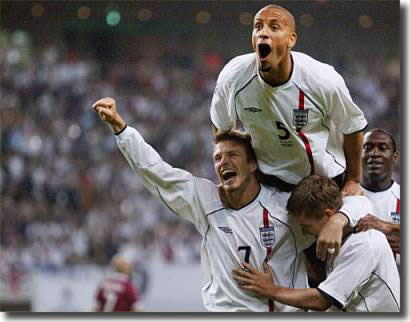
<point x="227" y="175"/>
<point x="374" y="165"/>
<point x="264" y="50"/>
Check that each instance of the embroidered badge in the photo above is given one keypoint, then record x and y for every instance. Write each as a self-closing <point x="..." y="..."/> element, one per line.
<point x="395" y="216"/>
<point x="300" y="118"/>
<point x="267" y="235"/>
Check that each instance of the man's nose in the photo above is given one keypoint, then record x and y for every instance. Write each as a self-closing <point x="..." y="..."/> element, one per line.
<point x="224" y="159"/>
<point x="263" y="34"/>
<point x="374" y="152"/>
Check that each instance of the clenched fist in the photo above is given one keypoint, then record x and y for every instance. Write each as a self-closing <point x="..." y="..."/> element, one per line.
<point x="107" y="111"/>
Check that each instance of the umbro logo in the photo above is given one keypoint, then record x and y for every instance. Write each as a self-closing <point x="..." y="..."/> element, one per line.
<point x="226" y="230"/>
<point x="253" y="109"/>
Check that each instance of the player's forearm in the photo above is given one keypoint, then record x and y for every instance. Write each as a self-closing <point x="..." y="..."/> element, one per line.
<point x="306" y="298"/>
<point x="118" y="125"/>
<point x="393" y="237"/>
<point x="355" y="208"/>
<point x="352" y="146"/>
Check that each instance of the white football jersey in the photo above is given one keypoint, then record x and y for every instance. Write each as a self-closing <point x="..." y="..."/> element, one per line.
<point x="297" y="127"/>
<point x="363" y="277"/>
<point x="386" y="205"/>
<point x="260" y="230"/>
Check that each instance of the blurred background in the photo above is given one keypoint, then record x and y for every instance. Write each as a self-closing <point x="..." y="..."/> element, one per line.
<point x="69" y="201"/>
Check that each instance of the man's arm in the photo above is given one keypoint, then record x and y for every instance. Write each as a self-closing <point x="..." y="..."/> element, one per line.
<point x="352" y="147"/>
<point x="176" y="188"/>
<point x="107" y="111"/>
<point x="391" y="230"/>
<point x="341" y="223"/>
<point x="262" y="284"/>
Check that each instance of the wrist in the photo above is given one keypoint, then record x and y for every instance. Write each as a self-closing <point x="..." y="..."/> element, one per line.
<point x="353" y="179"/>
<point x="340" y="219"/>
<point x="118" y="127"/>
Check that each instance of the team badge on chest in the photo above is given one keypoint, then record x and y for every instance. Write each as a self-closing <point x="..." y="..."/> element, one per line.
<point x="300" y="118"/>
<point x="267" y="235"/>
<point x="395" y="217"/>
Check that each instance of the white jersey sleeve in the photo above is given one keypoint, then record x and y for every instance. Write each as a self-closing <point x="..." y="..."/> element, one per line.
<point x="360" y="279"/>
<point x="345" y="114"/>
<point x="355" y="208"/>
<point x="219" y="108"/>
<point x="230" y="81"/>
<point x="178" y="189"/>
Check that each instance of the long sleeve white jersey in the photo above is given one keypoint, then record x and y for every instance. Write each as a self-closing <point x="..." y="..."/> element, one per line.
<point x="297" y="127"/>
<point x="363" y="277"/>
<point x="260" y="230"/>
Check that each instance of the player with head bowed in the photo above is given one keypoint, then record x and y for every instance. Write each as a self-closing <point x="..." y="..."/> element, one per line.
<point x="379" y="157"/>
<point x="298" y="111"/>
<point x="116" y="292"/>
<point x="362" y="278"/>
<point x="254" y="229"/>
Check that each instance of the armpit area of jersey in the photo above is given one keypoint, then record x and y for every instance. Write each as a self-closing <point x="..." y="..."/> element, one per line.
<point x="331" y="299"/>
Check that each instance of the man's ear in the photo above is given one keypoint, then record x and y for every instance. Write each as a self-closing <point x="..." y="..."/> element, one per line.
<point x="396" y="157"/>
<point x="329" y="213"/>
<point x="292" y="39"/>
<point x="254" y="165"/>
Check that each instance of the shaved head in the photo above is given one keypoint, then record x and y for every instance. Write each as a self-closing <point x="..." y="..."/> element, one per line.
<point x="290" y="19"/>
<point x="121" y="264"/>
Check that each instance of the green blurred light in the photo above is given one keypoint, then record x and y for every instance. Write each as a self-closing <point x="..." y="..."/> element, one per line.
<point x="113" y="18"/>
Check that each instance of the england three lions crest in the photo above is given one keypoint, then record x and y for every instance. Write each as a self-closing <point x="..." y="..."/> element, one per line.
<point x="395" y="217"/>
<point x="267" y="235"/>
<point x="300" y="118"/>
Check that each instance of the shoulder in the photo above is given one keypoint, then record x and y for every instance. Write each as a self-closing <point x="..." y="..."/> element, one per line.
<point x="275" y="201"/>
<point x="370" y="243"/>
<point x="238" y="70"/>
<point x="395" y="189"/>
<point x="314" y="74"/>
<point x="207" y="194"/>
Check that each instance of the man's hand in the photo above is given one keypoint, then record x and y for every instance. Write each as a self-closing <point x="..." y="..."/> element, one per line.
<point x="351" y="188"/>
<point x="107" y="111"/>
<point x="391" y="230"/>
<point x="251" y="279"/>
<point x="373" y="222"/>
<point x="330" y="237"/>
<point x="394" y="242"/>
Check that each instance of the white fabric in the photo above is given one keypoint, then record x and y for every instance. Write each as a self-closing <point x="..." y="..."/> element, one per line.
<point x="363" y="277"/>
<point x="385" y="205"/>
<point x="385" y="202"/>
<point x="225" y="230"/>
<point x="267" y="113"/>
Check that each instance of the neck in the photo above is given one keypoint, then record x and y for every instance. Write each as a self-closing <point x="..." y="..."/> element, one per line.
<point x="279" y="74"/>
<point x="377" y="185"/>
<point x="243" y="196"/>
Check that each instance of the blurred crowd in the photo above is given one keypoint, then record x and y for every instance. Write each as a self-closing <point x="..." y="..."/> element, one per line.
<point x="67" y="194"/>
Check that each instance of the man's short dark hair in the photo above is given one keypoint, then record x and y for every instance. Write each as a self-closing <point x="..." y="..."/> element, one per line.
<point x="313" y="195"/>
<point x="239" y="137"/>
<point x="387" y="133"/>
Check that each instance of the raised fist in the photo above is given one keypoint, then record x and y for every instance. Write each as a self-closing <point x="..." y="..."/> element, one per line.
<point x="107" y="111"/>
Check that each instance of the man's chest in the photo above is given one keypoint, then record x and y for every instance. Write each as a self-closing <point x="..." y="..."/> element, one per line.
<point x="282" y="111"/>
<point x="386" y="206"/>
<point x="252" y="235"/>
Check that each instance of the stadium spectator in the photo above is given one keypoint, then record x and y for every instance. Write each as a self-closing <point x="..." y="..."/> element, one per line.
<point x="116" y="291"/>
<point x="362" y="278"/>
<point x="255" y="227"/>
<point x="379" y="157"/>
<point x="294" y="107"/>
